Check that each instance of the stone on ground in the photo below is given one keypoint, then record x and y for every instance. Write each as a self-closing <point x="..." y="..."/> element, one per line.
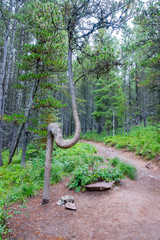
<point x="70" y="206"/>
<point x="99" y="186"/>
<point x="65" y="199"/>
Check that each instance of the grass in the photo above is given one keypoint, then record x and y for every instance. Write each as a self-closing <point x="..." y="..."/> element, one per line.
<point x="17" y="183"/>
<point x="93" y="136"/>
<point x="143" y="141"/>
<point x="127" y="169"/>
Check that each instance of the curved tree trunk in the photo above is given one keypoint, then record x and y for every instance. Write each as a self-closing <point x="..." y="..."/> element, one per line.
<point x="54" y="132"/>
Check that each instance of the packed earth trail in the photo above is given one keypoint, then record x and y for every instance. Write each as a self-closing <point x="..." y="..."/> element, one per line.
<point x="129" y="211"/>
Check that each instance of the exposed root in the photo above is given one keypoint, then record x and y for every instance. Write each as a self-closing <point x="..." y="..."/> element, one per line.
<point x="156" y="161"/>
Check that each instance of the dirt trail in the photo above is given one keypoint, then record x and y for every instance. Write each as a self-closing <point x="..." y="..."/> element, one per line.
<point x="131" y="211"/>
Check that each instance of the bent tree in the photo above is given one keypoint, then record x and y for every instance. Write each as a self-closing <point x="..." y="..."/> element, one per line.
<point x="77" y="20"/>
<point x="54" y="132"/>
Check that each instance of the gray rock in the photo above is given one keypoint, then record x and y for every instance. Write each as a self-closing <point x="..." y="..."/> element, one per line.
<point x="99" y="186"/>
<point x="70" y="206"/>
<point x="65" y="199"/>
<point x="59" y="202"/>
<point x="116" y="188"/>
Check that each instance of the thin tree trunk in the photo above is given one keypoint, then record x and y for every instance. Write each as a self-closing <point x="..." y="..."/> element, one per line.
<point x="4" y="83"/>
<point x="32" y="95"/>
<point x="99" y="127"/>
<point x="8" y="75"/>
<point x="108" y="131"/>
<point x="130" y="105"/>
<point x="137" y="98"/>
<point x="24" y="148"/>
<point x="1" y="161"/>
<point x="144" y="107"/>
<point x="113" y="122"/>
<point x="12" y="140"/>
<point x="2" y="79"/>
<point x="125" y="92"/>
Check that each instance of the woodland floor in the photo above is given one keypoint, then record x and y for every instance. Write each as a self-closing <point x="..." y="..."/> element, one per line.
<point x="129" y="211"/>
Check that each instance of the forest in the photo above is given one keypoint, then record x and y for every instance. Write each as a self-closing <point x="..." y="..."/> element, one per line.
<point x="75" y="70"/>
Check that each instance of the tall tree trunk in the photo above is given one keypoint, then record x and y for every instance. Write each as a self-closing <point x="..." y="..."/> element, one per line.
<point x="32" y="95"/>
<point x="24" y="148"/>
<point x="125" y="92"/>
<point x="144" y="107"/>
<point x="113" y="122"/>
<point x="54" y="132"/>
<point x="8" y="75"/>
<point x="130" y="103"/>
<point x="1" y="126"/>
<point x="108" y="131"/>
<point x="137" y="99"/>
<point x="99" y="126"/>
<point x="2" y="79"/>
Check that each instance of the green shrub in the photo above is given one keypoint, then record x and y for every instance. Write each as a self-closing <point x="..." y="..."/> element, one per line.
<point x="127" y="169"/>
<point x="145" y="141"/>
<point x="3" y="218"/>
<point x="17" y="183"/>
<point x="28" y="190"/>
<point x="93" y="136"/>
<point x="84" y="175"/>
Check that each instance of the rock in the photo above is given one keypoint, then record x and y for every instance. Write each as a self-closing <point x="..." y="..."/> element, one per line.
<point x="99" y="186"/>
<point x="70" y="206"/>
<point x="59" y="202"/>
<point x="152" y="176"/>
<point x="116" y="188"/>
<point x="67" y="199"/>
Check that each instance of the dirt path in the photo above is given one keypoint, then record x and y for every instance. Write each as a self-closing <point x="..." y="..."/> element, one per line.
<point x="131" y="211"/>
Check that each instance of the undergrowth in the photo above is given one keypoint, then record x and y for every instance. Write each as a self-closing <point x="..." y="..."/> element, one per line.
<point x="127" y="169"/>
<point x="144" y="141"/>
<point x="94" y="136"/>
<point x="84" y="175"/>
<point x="17" y="183"/>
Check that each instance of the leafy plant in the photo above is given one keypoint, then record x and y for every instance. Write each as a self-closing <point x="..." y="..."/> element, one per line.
<point x="84" y="175"/>
<point x="4" y="215"/>
<point x="144" y="141"/>
<point x="16" y="183"/>
<point x="127" y="169"/>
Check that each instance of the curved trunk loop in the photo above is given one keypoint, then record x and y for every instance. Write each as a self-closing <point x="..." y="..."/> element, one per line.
<point x="54" y="133"/>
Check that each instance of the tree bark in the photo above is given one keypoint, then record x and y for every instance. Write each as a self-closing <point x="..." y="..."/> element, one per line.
<point x="54" y="132"/>
<point x="33" y="92"/>
<point x="113" y="122"/>
<point x="2" y="79"/>
<point x="1" y="161"/>
<point x="144" y="107"/>
<point x="24" y="148"/>
<point x="99" y="127"/>
<point x="125" y="92"/>
<point x="8" y="75"/>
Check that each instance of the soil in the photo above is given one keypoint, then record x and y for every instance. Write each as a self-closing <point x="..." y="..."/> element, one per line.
<point x="129" y="211"/>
